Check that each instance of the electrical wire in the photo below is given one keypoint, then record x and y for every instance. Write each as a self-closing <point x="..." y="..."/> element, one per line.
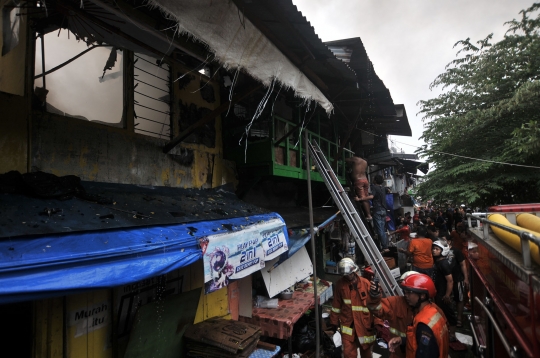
<point x="460" y="156"/>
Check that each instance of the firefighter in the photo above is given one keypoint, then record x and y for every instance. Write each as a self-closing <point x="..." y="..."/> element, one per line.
<point x="350" y="312"/>
<point x="426" y="333"/>
<point x="444" y="283"/>
<point x="393" y="309"/>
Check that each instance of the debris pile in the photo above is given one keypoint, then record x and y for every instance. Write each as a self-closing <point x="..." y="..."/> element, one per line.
<point x="218" y="337"/>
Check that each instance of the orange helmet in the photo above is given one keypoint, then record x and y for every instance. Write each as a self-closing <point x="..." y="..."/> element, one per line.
<point x="419" y="283"/>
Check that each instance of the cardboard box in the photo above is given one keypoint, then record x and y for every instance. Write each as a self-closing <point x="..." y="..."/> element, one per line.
<point x="391" y="262"/>
<point x="231" y="336"/>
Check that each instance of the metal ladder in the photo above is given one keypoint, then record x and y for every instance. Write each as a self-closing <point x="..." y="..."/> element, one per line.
<point x="388" y="283"/>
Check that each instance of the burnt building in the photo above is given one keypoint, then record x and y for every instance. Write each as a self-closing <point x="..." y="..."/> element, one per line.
<point x="129" y="131"/>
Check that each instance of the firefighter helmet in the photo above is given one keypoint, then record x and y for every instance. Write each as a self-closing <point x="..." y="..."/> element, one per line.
<point x="407" y="274"/>
<point x="347" y="266"/>
<point x="443" y="245"/>
<point x="419" y="283"/>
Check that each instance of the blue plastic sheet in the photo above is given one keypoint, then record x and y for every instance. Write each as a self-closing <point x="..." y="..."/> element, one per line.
<point x="34" y="268"/>
<point x="390" y="204"/>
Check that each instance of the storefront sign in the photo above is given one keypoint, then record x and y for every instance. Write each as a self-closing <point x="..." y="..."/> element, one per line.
<point x="90" y="318"/>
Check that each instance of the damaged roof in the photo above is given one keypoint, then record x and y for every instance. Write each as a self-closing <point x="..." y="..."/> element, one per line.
<point x="292" y="34"/>
<point x="389" y="118"/>
<point x="341" y="69"/>
<point x="130" y="206"/>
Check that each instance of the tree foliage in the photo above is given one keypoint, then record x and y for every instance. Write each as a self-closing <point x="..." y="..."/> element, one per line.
<point x="488" y="114"/>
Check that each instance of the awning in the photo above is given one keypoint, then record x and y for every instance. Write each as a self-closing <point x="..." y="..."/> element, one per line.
<point x="409" y="162"/>
<point x="238" y="44"/>
<point x="35" y="268"/>
<point x="412" y="165"/>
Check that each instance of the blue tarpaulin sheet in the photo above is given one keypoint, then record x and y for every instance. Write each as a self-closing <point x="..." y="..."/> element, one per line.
<point x="34" y="268"/>
<point x="390" y="204"/>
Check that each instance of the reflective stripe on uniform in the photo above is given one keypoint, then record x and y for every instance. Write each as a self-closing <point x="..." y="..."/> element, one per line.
<point x="336" y="310"/>
<point x="360" y="308"/>
<point x="433" y="321"/>
<point x="346" y="330"/>
<point x="366" y="339"/>
<point x="347" y="301"/>
<point x="397" y="333"/>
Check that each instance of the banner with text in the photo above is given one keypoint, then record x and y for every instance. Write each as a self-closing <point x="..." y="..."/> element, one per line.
<point x="233" y="255"/>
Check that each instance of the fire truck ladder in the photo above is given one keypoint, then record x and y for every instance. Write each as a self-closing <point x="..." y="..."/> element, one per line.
<point x="353" y="220"/>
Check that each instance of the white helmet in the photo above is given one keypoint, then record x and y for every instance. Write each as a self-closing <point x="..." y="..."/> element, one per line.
<point x="347" y="266"/>
<point x="408" y="273"/>
<point x="443" y="245"/>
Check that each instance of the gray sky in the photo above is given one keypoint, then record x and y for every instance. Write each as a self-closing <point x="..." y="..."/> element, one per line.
<point x="410" y="42"/>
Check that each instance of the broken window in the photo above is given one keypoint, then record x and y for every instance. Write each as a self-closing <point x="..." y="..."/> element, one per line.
<point x="89" y="87"/>
<point x="10" y="27"/>
<point x="152" y="96"/>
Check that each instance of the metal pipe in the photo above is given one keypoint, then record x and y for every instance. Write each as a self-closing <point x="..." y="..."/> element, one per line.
<point x="526" y="249"/>
<point x="313" y="253"/>
<point x="43" y="58"/>
<point x="480" y="347"/>
<point x="511" y="352"/>
<point x="506" y="315"/>
<point x="521" y="233"/>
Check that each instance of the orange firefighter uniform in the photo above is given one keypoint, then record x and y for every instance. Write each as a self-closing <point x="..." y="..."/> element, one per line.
<point x="398" y="314"/>
<point x="350" y="312"/>
<point x="432" y="316"/>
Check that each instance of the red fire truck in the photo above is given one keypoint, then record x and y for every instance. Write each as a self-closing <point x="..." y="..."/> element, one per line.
<point x="504" y="284"/>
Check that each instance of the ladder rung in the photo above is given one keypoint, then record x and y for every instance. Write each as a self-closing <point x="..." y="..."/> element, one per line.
<point x="358" y="230"/>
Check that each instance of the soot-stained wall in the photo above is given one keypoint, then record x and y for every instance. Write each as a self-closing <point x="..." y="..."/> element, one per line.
<point x="96" y="152"/>
<point x="65" y="146"/>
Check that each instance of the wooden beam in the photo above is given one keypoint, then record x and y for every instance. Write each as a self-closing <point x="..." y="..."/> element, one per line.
<point x="128" y="13"/>
<point x="208" y="118"/>
<point x="294" y="129"/>
<point x="352" y="125"/>
<point x="277" y="143"/>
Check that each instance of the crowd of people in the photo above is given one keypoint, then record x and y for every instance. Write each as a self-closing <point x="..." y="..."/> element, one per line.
<point x="423" y="322"/>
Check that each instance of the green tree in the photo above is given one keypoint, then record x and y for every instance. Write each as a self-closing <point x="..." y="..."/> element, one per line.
<point x="489" y="110"/>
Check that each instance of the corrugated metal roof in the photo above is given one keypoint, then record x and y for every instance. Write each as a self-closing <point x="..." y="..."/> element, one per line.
<point x="367" y="78"/>
<point x="341" y="69"/>
<point x="290" y="31"/>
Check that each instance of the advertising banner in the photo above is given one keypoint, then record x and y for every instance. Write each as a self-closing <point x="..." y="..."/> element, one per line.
<point x="233" y="255"/>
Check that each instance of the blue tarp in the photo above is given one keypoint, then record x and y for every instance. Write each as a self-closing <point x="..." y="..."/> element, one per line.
<point x="34" y="268"/>
<point x="390" y="204"/>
